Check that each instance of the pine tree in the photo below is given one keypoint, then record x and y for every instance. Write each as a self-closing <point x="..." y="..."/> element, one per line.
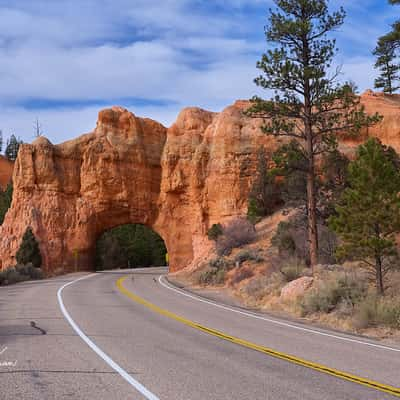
<point x="29" y="251"/>
<point x="12" y="148"/>
<point x="389" y="77"/>
<point x="368" y="213"/>
<point x="392" y="39"/>
<point x="309" y="105"/>
<point x="265" y="196"/>
<point x="1" y="140"/>
<point x="5" y="201"/>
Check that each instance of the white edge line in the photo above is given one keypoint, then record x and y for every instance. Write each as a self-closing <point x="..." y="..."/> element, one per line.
<point x="133" y="382"/>
<point x="248" y="314"/>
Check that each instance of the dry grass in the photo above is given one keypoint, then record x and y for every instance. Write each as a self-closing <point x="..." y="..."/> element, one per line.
<point x="341" y="297"/>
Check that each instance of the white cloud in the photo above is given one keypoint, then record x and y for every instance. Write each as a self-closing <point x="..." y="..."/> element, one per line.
<point x="176" y="50"/>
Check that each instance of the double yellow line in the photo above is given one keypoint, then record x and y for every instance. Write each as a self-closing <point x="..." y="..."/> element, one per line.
<point x="287" y="357"/>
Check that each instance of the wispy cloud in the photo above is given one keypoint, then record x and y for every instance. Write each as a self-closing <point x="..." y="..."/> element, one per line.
<point x="63" y="61"/>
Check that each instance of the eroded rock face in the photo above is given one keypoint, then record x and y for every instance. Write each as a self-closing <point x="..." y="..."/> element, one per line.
<point x="6" y="171"/>
<point x="178" y="181"/>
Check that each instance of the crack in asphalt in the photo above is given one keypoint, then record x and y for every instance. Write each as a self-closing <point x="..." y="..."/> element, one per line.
<point x="33" y="325"/>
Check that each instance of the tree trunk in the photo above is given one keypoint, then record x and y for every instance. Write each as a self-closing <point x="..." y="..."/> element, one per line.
<point x="308" y="133"/>
<point x="379" y="278"/>
<point x="311" y="208"/>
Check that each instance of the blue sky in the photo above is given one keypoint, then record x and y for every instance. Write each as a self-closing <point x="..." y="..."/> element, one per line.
<point x="62" y="61"/>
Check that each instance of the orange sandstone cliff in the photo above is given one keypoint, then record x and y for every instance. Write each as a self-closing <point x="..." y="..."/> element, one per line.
<point x="178" y="181"/>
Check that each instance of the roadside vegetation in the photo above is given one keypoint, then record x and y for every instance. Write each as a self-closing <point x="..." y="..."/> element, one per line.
<point x="5" y="201"/>
<point x="29" y="261"/>
<point x="130" y="246"/>
<point x="320" y="239"/>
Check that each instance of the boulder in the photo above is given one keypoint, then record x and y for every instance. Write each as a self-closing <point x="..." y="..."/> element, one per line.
<point x="295" y="289"/>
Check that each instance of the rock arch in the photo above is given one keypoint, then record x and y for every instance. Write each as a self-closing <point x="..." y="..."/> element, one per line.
<point x="177" y="181"/>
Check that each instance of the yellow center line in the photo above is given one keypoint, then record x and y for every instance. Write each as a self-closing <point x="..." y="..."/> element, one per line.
<point x="283" y="356"/>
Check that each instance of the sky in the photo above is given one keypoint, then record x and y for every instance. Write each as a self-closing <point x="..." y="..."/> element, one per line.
<point x="63" y="61"/>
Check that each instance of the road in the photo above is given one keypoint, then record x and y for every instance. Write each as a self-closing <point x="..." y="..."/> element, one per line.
<point x="136" y="341"/>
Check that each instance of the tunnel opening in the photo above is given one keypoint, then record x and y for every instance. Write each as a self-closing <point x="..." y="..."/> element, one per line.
<point x="130" y="246"/>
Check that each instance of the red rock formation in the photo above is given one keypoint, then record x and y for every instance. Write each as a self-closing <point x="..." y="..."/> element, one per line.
<point x="6" y="172"/>
<point x="179" y="181"/>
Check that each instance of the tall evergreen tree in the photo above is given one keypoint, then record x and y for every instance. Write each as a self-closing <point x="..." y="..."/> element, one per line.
<point x="29" y="251"/>
<point x="1" y="140"/>
<point x="389" y="77"/>
<point x="392" y="39"/>
<point x="368" y="213"/>
<point x="12" y="148"/>
<point x="309" y="105"/>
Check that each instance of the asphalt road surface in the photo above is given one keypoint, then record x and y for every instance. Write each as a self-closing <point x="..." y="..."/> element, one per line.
<point x="143" y="339"/>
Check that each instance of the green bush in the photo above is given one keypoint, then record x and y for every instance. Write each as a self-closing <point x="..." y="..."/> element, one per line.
<point x="3" y="276"/>
<point x="214" y="232"/>
<point x="29" y="251"/>
<point x="212" y="277"/>
<point x="291" y="240"/>
<point x="261" y="286"/>
<point x="283" y="239"/>
<point x="220" y="263"/>
<point x="248" y="255"/>
<point x="24" y="269"/>
<point x="254" y="213"/>
<point x="215" y="272"/>
<point x="329" y="294"/>
<point x="378" y="311"/>
<point x="20" y="273"/>
<point x="11" y="275"/>
<point x="265" y="195"/>
<point x="293" y="269"/>
<point x="5" y="201"/>
<point x="130" y="245"/>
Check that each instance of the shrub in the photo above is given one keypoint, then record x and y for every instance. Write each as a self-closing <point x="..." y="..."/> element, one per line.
<point x="24" y="269"/>
<point x="5" y="201"/>
<point x="215" y="272"/>
<point x="214" y="232"/>
<point x="254" y="214"/>
<point x="236" y="233"/>
<point x="220" y="263"/>
<point x="20" y="273"/>
<point x="292" y="269"/>
<point x="212" y="277"/>
<point x="283" y="239"/>
<point x="11" y="275"/>
<point x="378" y="311"/>
<point x="338" y="289"/>
<point x="261" y="286"/>
<point x="265" y="196"/>
<point x="36" y="273"/>
<point x="3" y="276"/>
<point x="243" y="273"/>
<point x="29" y="251"/>
<point x="291" y="240"/>
<point x="248" y="255"/>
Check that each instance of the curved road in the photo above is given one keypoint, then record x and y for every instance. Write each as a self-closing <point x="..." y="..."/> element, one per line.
<point x="145" y="339"/>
